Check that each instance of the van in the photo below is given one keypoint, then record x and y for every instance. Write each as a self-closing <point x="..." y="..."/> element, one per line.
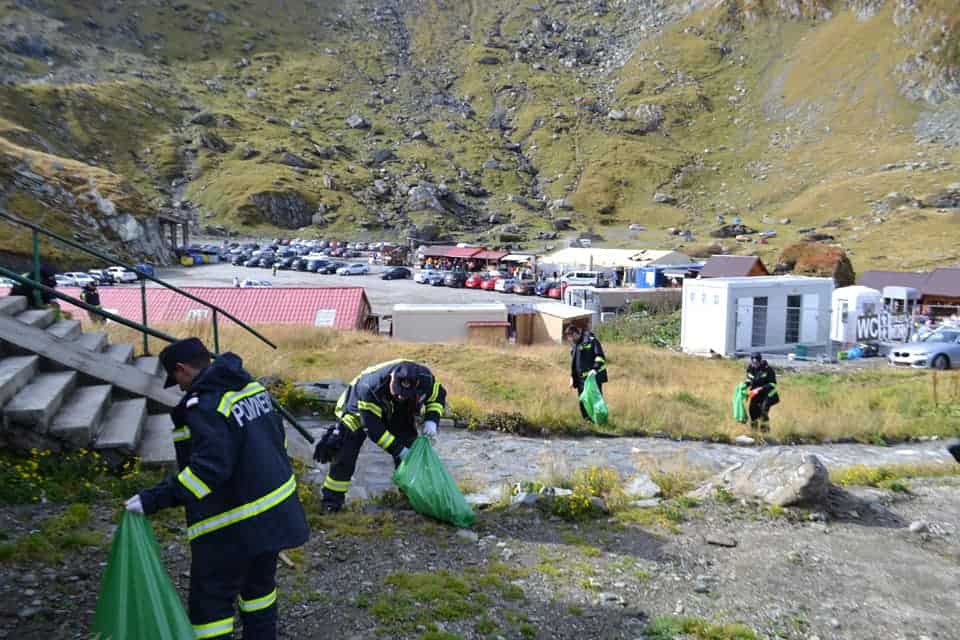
<point x="584" y="279"/>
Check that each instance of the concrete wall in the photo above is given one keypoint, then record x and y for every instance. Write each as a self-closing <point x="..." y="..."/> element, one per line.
<point x="435" y="324"/>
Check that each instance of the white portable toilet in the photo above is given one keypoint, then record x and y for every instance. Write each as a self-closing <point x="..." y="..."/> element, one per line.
<point x="848" y="305"/>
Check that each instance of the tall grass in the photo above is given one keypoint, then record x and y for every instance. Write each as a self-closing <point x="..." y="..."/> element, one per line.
<point x="650" y="390"/>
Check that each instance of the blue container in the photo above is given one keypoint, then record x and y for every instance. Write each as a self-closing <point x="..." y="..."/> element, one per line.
<point x="650" y="278"/>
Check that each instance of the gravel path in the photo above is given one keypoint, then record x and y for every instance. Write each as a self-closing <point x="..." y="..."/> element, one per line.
<point x="489" y="460"/>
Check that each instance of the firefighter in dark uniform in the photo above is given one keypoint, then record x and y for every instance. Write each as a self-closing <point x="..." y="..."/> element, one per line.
<point x="762" y="389"/>
<point x="382" y="403"/>
<point x="586" y="358"/>
<point x="91" y="296"/>
<point x="48" y="278"/>
<point x="237" y="487"/>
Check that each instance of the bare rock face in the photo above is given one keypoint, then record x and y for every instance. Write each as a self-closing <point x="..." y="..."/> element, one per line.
<point x="286" y="209"/>
<point x="782" y="478"/>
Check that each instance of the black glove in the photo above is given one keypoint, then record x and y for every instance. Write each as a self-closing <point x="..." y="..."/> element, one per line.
<point x="329" y="445"/>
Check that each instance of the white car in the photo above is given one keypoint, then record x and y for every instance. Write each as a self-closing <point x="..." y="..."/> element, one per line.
<point x="247" y="284"/>
<point x="355" y="269"/>
<point x="80" y="279"/>
<point x="122" y="275"/>
<point x="64" y="281"/>
<point x="421" y="276"/>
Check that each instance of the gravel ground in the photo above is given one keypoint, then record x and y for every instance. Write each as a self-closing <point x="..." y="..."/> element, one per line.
<point x="859" y="573"/>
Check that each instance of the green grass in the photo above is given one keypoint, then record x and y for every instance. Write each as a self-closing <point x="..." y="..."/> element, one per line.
<point x="671" y="627"/>
<point x="56" y="536"/>
<point x="891" y="477"/>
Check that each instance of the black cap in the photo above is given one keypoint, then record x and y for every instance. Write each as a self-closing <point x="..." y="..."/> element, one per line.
<point x="182" y="351"/>
<point x="404" y="384"/>
<point x="756" y="356"/>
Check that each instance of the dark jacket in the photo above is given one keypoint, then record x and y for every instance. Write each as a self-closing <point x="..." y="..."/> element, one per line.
<point x="235" y="479"/>
<point x="47" y="279"/>
<point x="587" y="355"/>
<point x="367" y="404"/>
<point x="765" y="379"/>
<point x="90" y="296"/>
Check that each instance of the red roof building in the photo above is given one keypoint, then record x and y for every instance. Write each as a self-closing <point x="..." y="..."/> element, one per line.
<point x="336" y="307"/>
<point x="463" y="252"/>
<point x="491" y="256"/>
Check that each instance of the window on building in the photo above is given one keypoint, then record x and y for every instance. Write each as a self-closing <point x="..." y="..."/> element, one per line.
<point x="758" y="336"/>
<point x="794" y="308"/>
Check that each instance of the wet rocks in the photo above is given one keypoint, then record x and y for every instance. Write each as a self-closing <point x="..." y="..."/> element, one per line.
<point x="286" y="209"/>
<point x="642" y="487"/>
<point x="648" y="118"/>
<point x="357" y="121"/>
<point x="780" y="478"/>
<point x="948" y="198"/>
<point x="293" y="160"/>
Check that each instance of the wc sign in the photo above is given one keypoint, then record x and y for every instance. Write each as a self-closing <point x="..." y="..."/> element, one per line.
<point x="880" y="328"/>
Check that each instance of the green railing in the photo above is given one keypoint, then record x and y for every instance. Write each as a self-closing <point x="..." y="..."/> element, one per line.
<point x="143" y="327"/>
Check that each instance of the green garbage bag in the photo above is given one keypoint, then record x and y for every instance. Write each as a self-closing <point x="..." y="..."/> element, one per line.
<point x="429" y="488"/>
<point x="137" y="599"/>
<point x="593" y="401"/>
<point x="739" y="398"/>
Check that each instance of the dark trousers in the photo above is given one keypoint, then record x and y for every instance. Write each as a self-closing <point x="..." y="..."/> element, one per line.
<point x="583" y="410"/>
<point x="219" y="581"/>
<point x="337" y="483"/>
<point x="760" y="411"/>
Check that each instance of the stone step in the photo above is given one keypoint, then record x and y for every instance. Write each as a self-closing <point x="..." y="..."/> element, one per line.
<point x="123" y="426"/>
<point x="149" y="365"/>
<point x="15" y="373"/>
<point x="121" y="352"/>
<point x="37" y="403"/>
<point x="40" y="318"/>
<point x="156" y="446"/>
<point x="12" y="305"/>
<point x="66" y="329"/>
<point x="94" y="341"/>
<point x="79" y="419"/>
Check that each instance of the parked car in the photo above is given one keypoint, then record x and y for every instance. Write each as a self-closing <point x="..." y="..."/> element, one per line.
<point x="6" y="282"/>
<point x="542" y="287"/>
<point x="355" y="269"/>
<point x="65" y="281"/>
<point x="475" y="280"/>
<point x="122" y="275"/>
<point x="81" y="279"/>
<point x="103" y="277"/>
<point x="422" y="275"/>
<point x="524" y="287"/>
<point x="316" y="265"/>
<point x="285" y="263"/>
<point x="267" y="261"/>
<point x="584" y="279"/>
<point x="436" y="278"/>
<point x="455" y="279"/>
<point x="240" y="259"/>
<point x="939" y="350"/>
<point x="252" y="262"/>
<point x="331" y="267"/>
<point x="504" y="285"/>
<point x="490" y="283"/>
<point x="397" y="273"/>
<point x="555" y="292"/>
<point x="299" y="264"/>
<point x="247" y="284"/>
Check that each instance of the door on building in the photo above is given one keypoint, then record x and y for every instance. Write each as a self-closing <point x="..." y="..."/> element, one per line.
<point x="744" y="323"/>
<point x="758" y="337"/>
<point x="794" y="311"/>
<point x="810" y="319"/>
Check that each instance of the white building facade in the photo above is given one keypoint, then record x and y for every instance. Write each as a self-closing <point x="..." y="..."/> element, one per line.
<point x="733" y="316"/>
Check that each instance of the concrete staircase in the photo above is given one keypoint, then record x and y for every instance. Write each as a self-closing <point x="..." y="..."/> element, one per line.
<point x="61" y="388"/>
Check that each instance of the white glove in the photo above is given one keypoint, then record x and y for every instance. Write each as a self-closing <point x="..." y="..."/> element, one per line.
<point x="572" y="384"/>
<point x="403" y="453"/>
<point x="430" y="429"/>
<point x="134" y="504"/>
<point x="593" y="372"/>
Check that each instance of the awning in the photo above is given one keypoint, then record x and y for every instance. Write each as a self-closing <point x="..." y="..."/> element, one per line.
<point x="438" y="251"/>
<point x="492" y="256"/>
<point x="517" y="257"/>
<point x="463" y="252"/>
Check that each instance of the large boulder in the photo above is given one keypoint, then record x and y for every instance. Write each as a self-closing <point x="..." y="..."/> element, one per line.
<point x="948" y="198"/>
<point x="819" y="260"/>
<point x="782" y="478"/>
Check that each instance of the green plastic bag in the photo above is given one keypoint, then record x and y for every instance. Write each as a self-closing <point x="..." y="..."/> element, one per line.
<point x="429" y="488"/>
<point x="739" y="398"/>
<point x="137" y="599"/>
<point x="593" y="401"/>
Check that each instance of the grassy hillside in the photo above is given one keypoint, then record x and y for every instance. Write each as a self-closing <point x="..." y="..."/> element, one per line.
<point x="507" y="113"/>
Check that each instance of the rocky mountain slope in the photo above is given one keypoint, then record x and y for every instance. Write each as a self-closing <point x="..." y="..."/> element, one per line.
<point x="502" y="121"/>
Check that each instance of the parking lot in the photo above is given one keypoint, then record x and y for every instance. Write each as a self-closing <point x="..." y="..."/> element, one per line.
<point x="383" y="294"/>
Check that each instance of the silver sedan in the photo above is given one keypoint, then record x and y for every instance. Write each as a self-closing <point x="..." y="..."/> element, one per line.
<point x="939" y="350"/>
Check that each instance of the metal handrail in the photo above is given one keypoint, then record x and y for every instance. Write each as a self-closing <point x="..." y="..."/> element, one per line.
<point x="7" y="273"/>
<point x="143" y="276"/>
<point x="39" y="287"/>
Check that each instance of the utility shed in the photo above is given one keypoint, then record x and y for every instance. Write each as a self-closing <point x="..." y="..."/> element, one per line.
<point x="450" y="322"/>
<point x="763" y="313"/>
<point x="552" y="319"/>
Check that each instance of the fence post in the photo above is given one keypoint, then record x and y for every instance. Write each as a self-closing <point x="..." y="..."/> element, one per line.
<point x="216" y="335"/>
<point x="37" y="295"/>
<point x="143" y="314"/>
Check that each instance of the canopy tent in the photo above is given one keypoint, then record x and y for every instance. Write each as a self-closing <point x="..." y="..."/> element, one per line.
<point x="491" y="256"/>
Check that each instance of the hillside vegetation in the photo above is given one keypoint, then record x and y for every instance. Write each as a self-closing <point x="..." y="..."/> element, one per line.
<point x="502" y="121"/>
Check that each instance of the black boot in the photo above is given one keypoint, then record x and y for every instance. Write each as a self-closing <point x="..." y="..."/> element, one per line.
<point x="954" y="450"/>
